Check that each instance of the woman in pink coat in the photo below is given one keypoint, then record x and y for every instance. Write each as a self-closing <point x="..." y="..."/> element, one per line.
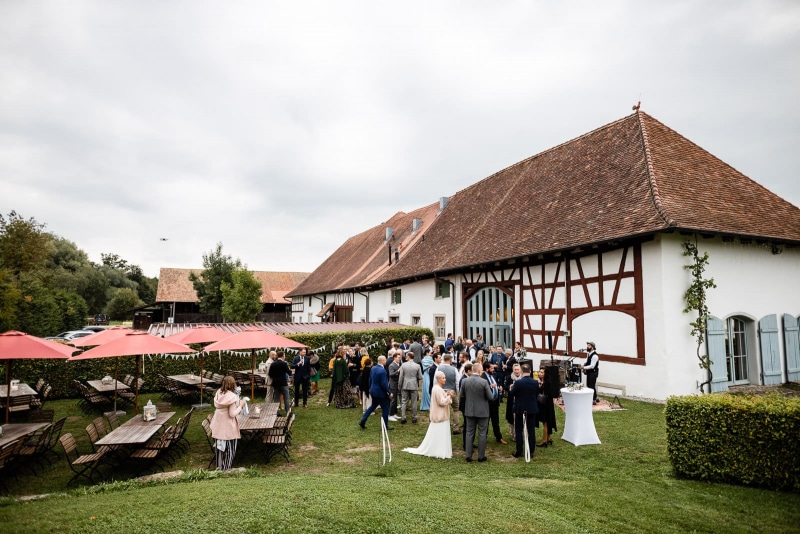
<point x="224" y="425"/>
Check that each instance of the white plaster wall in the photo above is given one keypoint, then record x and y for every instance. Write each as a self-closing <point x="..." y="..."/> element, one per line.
<point x="751" y="282"/>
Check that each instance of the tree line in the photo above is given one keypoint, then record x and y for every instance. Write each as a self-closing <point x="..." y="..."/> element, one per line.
<point x="48" y="284"/>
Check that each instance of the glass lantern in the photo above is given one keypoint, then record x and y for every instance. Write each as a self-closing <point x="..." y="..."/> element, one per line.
<point x="150" y="411"/>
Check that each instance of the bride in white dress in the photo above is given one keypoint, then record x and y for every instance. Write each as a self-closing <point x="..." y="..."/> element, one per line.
<point x="438" y="441"/>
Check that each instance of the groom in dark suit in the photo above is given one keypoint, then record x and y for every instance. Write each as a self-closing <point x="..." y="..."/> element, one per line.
<point x="475" y="397"/>
<point x="523" y="396"/>
<point x="302" y="375"/>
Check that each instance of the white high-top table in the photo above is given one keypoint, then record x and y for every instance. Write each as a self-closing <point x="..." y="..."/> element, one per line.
<point x="579" y="425"/>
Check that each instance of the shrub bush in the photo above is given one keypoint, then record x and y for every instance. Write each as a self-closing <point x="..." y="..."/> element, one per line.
<point x="740" y="439"/>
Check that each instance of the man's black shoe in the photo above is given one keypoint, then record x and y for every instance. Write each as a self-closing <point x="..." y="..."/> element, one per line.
<point x="362" y="425"/>
<point x="469" y="459"/>
<point x="389" y="428"/>
<point x="414" y="420"/>
<point x="515" y="455"/>
<point x="482" y="459"/>
<point x="402" y="421"/>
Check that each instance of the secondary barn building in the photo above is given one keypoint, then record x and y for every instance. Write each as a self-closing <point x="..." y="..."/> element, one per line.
<point x="178" y="299"/>
<point x="586" y="239"/>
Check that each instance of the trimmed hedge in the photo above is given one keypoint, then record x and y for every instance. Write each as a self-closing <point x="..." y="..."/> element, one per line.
<point x="739" y="439"/>
<point x="60" y="373"/>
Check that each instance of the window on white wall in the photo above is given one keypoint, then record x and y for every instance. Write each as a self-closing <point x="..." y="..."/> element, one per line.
<point x="394" y="318"/>
<point x="415" y="320"/>
<point x="442" y="289"/>
<point x="439" y="327"/>
<point x="736" y="350"/>
<point x="396" y="296"/>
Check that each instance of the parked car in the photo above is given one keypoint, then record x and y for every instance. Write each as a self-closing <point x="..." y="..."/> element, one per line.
<point x="101" y="318"/>
<point x="70" y="335"/>
<point x="94" y="328"/>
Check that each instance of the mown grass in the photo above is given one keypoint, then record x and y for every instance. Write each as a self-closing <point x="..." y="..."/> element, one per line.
<point x="336" y="482"/>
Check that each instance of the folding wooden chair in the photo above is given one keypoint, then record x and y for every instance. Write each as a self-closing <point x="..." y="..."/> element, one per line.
<point x="83" y="465"/>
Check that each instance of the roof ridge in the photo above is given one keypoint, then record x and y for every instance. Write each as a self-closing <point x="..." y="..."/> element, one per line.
<point x="543" y="152"/>
<point x="651" y="173"/>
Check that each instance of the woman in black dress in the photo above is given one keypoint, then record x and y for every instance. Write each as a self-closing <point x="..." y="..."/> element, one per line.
<point x="547" y="412"/>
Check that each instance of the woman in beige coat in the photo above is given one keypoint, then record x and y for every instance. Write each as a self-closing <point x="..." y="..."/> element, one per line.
<point x="224" y="425"/>
<point x="438" y="440"/>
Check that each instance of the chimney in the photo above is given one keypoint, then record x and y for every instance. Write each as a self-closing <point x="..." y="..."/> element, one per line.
<point x="389" y="232"/>
<point x="443" y="202"/>
<point x="415" y="224"/>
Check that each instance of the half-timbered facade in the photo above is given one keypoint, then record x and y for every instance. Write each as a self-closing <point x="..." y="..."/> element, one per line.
<point x="585" y="242"/>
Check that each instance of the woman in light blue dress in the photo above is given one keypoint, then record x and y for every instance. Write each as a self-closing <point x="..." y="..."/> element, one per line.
<point x="427" y="361"/>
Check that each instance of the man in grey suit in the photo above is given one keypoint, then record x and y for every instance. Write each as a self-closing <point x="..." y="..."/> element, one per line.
<point x="409" y="378"/>
<point x="475" y="397"/>
<point x="416" y="348"/>
<point x="394" y="376"/>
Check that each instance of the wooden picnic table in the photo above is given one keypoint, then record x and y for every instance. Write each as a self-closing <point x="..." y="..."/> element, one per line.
<point x="108" y="388"/>
<point x="15" y="431"/>
<point x="134" y="432"/>
<point x="258" y="423"/>
<point x="191" y="380"/>
<point x="22" y="390"/>
<point x="138" y="420"/>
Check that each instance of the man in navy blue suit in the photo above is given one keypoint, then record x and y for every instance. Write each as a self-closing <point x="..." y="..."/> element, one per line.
<point x="380" y="393"/>
<point x="523" y="395"/>
<point x="302" y="376"/>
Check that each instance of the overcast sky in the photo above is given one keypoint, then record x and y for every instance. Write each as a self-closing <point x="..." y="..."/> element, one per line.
<point x="282" y="129"/>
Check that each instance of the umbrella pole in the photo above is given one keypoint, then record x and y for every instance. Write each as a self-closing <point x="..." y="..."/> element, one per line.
<point x="8" y="387"/>
<point x="253" y="376"/>
<point x="116" y="374"/>
<point x="201" y="405"/>
<point x="136" y="385"/>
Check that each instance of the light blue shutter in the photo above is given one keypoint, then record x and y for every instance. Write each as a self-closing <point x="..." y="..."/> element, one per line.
<point x="770" y="351"/>
<point x="715" y="343"/>
<point x="791" y="338"/>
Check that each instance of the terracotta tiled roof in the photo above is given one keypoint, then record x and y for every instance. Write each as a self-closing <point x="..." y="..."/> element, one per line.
<point x="165" y="329"/>
<point x="629" y="178"/>
<point x="365" y="257"/>
<point x="174" y="285"/>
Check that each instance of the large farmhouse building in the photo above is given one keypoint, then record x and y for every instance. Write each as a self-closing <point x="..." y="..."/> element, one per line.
<point x="585" y="241"/>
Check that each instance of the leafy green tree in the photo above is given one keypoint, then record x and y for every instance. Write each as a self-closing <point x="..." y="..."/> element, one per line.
<point x="241" y="300"/>
<point x="38" y="312"/>
<point x="24" y="244"/>
<point x="114" y="261"/>
<point x="72" y="308"/>
<point x="123" y="300"/>
<point x="145" y="287"/>
<point x="67" y="256"/>
<point x="217" y="269"/>
<point x="10" y="297"/>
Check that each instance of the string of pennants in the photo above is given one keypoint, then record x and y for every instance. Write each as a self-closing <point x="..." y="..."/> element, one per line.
<point x="365" y="343"/>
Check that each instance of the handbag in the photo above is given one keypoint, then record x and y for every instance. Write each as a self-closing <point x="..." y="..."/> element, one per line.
<point x="541" y="398"/>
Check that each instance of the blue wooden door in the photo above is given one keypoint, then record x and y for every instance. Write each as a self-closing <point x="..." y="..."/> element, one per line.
<point x="770" y="350"/>
<point x="791" y="340"/>
<point x="715" y="343"/>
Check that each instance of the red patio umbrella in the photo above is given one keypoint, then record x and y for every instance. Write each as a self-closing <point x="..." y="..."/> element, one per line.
<point x="134" y="343"/>
<point x="103" y="337"/>
<point x="199" y="335"/>
<point x="18" y="345"/>
<point x="252" y="339"/>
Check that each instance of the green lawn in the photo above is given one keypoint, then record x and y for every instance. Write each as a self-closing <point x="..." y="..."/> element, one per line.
<point x="335" y="482"/>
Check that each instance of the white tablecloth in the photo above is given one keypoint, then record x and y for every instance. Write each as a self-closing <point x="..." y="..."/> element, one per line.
<point x="579" y="426"/>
